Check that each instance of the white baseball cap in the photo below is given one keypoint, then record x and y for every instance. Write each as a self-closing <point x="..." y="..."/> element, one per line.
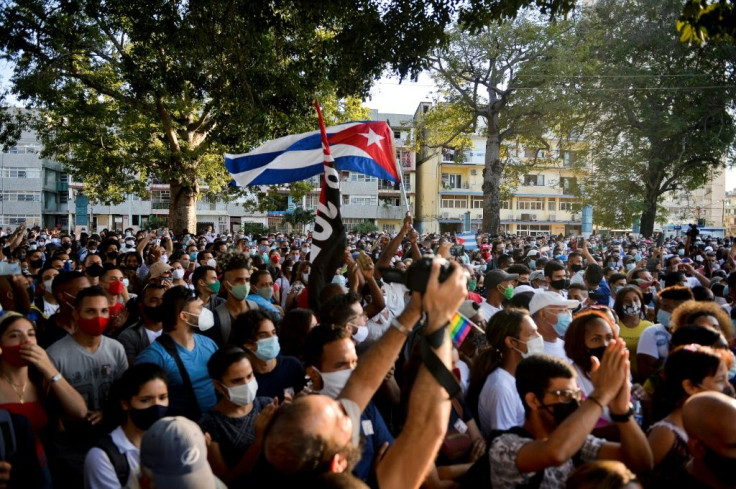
<point x="545" y="299"/>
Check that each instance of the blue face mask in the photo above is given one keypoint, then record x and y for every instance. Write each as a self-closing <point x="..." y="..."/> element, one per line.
<point x="732" y="372"/>
<point x="663" y="318"/>
<point x="563" y="322"/>
<point x="630" y="266"/>
<point x="725" y="291"/>
<point x="268" y="348"/>
<point x="637" y="257"/>
<point x="681" y="252"/>
<point x="532" y="264"/>
<point x="193" y="255"/>
<point x="340" y="280"/>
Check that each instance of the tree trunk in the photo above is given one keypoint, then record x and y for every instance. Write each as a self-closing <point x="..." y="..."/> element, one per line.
<point x="492" y="173"/>
<point x="183" y="207"/>
<point x="648" y="216"/>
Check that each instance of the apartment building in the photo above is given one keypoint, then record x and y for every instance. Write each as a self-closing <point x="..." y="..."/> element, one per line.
<point x="33" y="191"/>
<point x="450" y="189"/>
<point x="707" y="206"/>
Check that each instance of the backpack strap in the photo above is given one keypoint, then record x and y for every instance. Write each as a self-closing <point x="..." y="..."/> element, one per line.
<point x="223" y="316"/>
<point x="170" y="348"/>
<point x="118" y="460"/>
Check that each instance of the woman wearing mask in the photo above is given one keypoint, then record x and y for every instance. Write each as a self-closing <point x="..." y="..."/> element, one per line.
<point x="177" y="275"/>
<point x="237" y="422"/>
<point x="277" y="375"/>
<point x="28" y="380"/>
<point x="512" y="336"/>
<point x="688" y="370"/>
<point x="628" y="307"/>
<point x="298" y="294"/>
<point x="588" y="336"/>
<point x="114" y="284"/>
<point x="283" y="281"/>
<point x="144" y="399"/>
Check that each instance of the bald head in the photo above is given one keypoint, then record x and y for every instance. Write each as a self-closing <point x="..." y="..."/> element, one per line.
<point x="306" y="434"/>
<point x="718" y="428"/>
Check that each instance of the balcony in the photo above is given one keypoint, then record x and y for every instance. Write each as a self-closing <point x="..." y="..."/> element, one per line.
<point x="160" y="205"/>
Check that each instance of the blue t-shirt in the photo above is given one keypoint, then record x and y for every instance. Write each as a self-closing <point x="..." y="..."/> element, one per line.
<point x="371" y="419"/>
<point x="265" y="304"/>
<point x="195" y="362"/>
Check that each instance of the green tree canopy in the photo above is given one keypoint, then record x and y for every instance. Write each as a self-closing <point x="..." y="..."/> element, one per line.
<point x="659" y="111"/>
<point x="494" y="83"/>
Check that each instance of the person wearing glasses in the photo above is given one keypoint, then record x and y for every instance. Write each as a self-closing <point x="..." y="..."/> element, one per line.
<point x="557" y="424"/>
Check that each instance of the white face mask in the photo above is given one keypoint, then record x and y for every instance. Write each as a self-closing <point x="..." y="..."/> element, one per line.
<point x="334" y="382"/>
<point x="177" y="273"/>
<point x="244" y="394"/>
<point x="205" y="319"/>
<point x="535" y="346"/>
<point x="47" y="284"/>
<point x="361" y="334"/>
<point x="212" y="263"/>
<point x="305" y="277"/>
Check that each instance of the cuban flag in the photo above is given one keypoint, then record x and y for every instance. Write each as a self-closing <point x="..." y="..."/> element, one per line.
<point x="363" y="147"/>
<point x="467" y="240"/>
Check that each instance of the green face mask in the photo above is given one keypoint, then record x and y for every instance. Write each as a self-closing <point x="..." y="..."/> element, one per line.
<point x="472" y="285"/>
<point x="240" y="292"/>
<point x="508" y="292"/>
<point x="214" y="287"/>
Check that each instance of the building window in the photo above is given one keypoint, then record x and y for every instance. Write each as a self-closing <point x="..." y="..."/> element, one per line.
<point x="454" y="202"/>
<point x="530" y="204"/>
<point x="363" y="200"/>
<point x="452" y="180"/>
<point x="311" y="201"/>
<point x="389" y="228"/>
<point x="351" y="222"/>
<point x="478" y="202"/>
<point x="20" y="196"/>
<point x="566" y="205"/>
<point x="17" y="219"/>
<point x="532" y="229"/>
<point x="534" y="180"/>
<point x="359" y="177"/>
<point x="21" y="173"/>
<point x="569" y="184"/>
<point x="397" y="134"/>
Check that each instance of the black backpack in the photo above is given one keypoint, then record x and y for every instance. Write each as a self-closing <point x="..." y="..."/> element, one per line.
<point x="118" y="460"/>
<point x="478" y="475"/>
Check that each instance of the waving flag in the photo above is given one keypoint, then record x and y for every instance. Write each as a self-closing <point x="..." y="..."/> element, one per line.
<point x="467" y="240"/>
<point x="363" y="147"/>
<point x="329" y="238"/>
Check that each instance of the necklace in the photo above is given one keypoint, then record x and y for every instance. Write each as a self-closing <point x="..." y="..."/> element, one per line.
<point x="15" y="388"/>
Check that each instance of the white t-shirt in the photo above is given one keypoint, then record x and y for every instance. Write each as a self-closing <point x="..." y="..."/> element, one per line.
<point x="654" y="341"/>
<point x="464" y="375"/>
<point x="499" y="404"/>
<point x="394" y="297"/>
<point x="49" y="309"/>
<point x="489" y="310"/>
<point x="152" y="335"/>
<point x="556" y="349"/>
<point x="98" y="470"/>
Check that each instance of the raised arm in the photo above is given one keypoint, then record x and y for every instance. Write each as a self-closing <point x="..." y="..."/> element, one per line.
<point x="385" y="259"/>
<point x="413" y="453"/>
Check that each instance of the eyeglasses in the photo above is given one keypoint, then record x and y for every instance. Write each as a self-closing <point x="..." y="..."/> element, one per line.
<point x="567" y="395"/>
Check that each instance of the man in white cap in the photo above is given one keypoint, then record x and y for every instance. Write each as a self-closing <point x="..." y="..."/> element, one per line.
<point x="174" y="456"/>
<point x="498" y="287"/>
<point x="552" y="314"/>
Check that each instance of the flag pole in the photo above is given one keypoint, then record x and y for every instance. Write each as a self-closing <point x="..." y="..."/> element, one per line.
<point x="401" y="178"/>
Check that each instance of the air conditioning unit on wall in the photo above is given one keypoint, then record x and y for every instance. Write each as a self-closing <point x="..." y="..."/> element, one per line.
<point x="473" y="172"/>
<point x="553" y="217"/>
<point x="526" y="217"/>
<point x="445" y="215"/>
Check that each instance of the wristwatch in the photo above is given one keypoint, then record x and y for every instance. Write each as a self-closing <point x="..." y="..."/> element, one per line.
<point x="55" y="378"/>
<point x="623" y="418"/>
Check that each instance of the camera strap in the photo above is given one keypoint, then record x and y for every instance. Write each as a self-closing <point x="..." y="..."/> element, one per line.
<point x="435" y="366"/>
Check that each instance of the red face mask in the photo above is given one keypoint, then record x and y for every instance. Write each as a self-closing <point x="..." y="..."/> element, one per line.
<point x="116" y="288"/>
<point x="93" y="326"/>
<point x="11" y="354"/>
<point x="275" y="258"/>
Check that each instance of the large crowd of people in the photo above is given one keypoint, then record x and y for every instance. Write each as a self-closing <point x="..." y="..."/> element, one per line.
<point x="139" y="359"/>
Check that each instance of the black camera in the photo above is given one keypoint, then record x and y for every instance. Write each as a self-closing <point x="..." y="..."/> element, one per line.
<point x="416" y="276"/>
<point x="693" y="232"/>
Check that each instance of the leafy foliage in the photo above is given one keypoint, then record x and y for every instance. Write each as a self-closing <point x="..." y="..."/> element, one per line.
<point x="660" y="112"/>
<point x="494" y="84"/>
<point x="365" y="227"/>
<point x="707" y="20"/>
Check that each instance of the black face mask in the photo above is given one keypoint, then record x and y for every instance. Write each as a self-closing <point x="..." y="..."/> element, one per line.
<point x="112" y="254"/>
<point x="722" y="467"/>
<point x="560" y="284"/>
<point x="561" y="411"/>
<point x="66" y="246"/>
<point x="576" y="268"/>
<point x="597" y="352"/>
<point x="144" y="418"/>
<point x="154" y="313"/>
<point x="36" y="263"/>
<point x="95" y="270"/>
<point x="648" y="298"/>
